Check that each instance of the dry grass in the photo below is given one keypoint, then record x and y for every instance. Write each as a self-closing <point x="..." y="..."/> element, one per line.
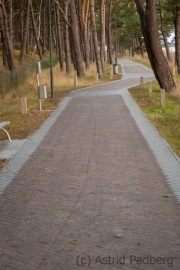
<point x="23" y="125"/>
<point x="145" y="61"/>
<point x="165" y="119"/>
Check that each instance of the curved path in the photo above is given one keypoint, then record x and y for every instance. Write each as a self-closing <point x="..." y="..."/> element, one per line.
<point x="95" y="187"/>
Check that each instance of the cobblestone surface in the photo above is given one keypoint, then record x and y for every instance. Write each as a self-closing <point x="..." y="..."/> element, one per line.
<point x="8" y="149"/>
<point x="91" y="191"/>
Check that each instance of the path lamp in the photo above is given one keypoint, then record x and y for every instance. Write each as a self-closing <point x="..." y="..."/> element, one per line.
<point x="50" y="48"/>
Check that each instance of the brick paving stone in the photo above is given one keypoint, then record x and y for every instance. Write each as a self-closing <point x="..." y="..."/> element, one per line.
<point x="92" y="188"/>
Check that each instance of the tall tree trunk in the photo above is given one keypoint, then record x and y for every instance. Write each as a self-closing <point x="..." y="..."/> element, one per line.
<point x="10" y="24"/>
<point x="35" y="31"/>
<point x="177" y="36"/>
<point x="66" y="40"/>
<point x="25" y="31"/>
<point x="150" y="32"/>
<point x="44" y="29"/>
<point x="75" y="37"/>
<point x="133" y="45"/>
<point x="72" y="50"/>
<point x="59" y="43"/>
<point x="85" y="11"/>
<point x="102" y="41"/>
<point x="109" y="34"/>
<point x="7" y="46"/>
<point x="95" y="40"/>
<point x="164" y="35"/>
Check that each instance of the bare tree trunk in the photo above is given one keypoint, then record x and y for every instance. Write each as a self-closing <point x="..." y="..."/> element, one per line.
<point x="102" y="41"/>
<point x="95" y="40"/>
<point x="133" y="45"/>
<point x="109" y="34"/>
<point x="25" y="31"/>
<point x="85" y="11"/>
<point x="7" y="46"/>
<point x="5" y="63"/>
<point x="66" y="41"/>
<point x="44" y="29"/>
<point x="10" y="24"/>
<point x="164" y="35"/>
<point x="35" y="32"/>
<point x="150" y="32"/>
<point x="59" y="43"/>
<point x="22" y="16"/>
<point x="177" y="36"/>
<point x="75" y="37"/>
<point x="72" y="50"/>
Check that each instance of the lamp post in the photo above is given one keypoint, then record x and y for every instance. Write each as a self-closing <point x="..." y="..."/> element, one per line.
<point x="50" y="48"/>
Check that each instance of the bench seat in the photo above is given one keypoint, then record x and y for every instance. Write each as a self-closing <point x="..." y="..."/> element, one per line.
<point x="2" y="125"/>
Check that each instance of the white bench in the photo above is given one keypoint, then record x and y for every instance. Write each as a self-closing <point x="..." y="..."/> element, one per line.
<point x="3" y="124"/>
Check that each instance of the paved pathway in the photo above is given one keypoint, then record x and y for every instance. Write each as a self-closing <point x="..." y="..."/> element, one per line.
<point x="95" y="187"/>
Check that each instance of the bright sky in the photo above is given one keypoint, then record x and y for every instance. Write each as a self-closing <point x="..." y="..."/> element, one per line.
<point x="171" y="37"/>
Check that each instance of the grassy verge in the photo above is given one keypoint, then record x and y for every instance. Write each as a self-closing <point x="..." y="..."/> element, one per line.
<point x="21" y="126"/>
<point x="165" y="119"/>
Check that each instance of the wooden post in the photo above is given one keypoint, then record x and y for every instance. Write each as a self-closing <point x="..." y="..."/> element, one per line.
<point x="37" y="76"/>
<point x="174" y="71"/>
<point x="97" y="77"/>
<point x="150" y="89"/>
<point x="111" y="72"/>
<point x="75" y="81"/>
<point x="141" y="82"/>
<point x="24" y="105"/>
<point x="162" y="98"/>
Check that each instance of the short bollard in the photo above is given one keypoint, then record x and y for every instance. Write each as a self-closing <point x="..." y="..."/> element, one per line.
<point x="111" y="72"/>
<point x="141" y="82"/>
<point x="150" y="89"/>
<point x="174" y="71"/>
<point x="24" y="105"/>
<point x="162" y="98"/>
<point x="75" y="81"/>
<point x="97" y="77"/>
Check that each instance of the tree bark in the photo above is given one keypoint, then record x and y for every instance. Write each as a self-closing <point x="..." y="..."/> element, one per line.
<point x="35" y="31"/>
<point x="75" y="37"/>
<point x="10" y="24"/>
<point x="59" y="43"/>
<point x="109" y="34"/>
<point x="153" y="46"/>
<point x="66" y="40"/>
<point x="102" y="41"/>
<point x="164" y="35"/>
<point x="44" y="29"/>
<point x="177" y="36"/>
<point x="85" y="11"/>
<point x="95" y="40"/>
<point x="7" y="46"/>
<point x="25" y="31"/>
